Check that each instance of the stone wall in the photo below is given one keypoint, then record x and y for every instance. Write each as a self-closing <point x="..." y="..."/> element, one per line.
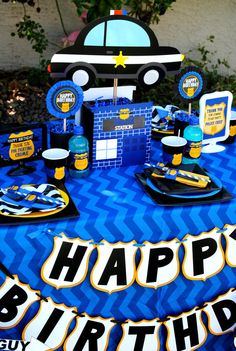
<point x="187" y="24"/>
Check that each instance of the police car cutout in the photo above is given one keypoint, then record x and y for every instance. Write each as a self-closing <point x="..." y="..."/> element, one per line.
<point x="116" y="46"/>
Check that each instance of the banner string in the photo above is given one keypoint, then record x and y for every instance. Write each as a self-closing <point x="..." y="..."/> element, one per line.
<point x="201" y="307"/>
<point x="6" y="271"/>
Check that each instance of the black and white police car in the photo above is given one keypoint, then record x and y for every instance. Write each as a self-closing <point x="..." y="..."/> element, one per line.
<point x="115" y="46"/>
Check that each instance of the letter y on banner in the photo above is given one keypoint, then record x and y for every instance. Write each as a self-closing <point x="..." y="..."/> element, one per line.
<point x="67" y="264"/>
<point x="140" y="336"/>
<point x="15" y="299"/>
<point x="115" y="267"/>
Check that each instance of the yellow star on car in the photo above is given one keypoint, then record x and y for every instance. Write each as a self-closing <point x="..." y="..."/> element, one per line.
<point x="120" y="60"/>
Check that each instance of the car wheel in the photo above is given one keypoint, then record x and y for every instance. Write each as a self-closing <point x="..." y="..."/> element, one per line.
<point x="150" y="77"/>
<point x="82" y="76"/>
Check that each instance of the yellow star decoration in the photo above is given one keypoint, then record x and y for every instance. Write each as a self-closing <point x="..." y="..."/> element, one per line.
<point x="120" y="60"/>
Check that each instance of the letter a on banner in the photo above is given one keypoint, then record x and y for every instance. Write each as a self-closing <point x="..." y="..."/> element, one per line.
<point x="115" y="267"/>
<point x="67" y="264"/>
<point x="222" y="313"/>
<point x="89" y="334"/>
<point x="15" y="299"/>
<point x="51" y="323"/>
<point x="185" y="332"/>
<point x="140" y="336"/>
<point x="204" y="256"/>
<point x="159" y="264"/>
<point x="230" y="237"/>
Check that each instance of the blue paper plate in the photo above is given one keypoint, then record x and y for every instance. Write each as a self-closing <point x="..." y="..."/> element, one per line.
<point x="190" y="196"/>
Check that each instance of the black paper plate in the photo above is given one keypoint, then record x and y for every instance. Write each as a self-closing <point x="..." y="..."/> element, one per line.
<point x="171" y="187"/>
<point x="70" y="211"/>
<point x="165" y="200"/>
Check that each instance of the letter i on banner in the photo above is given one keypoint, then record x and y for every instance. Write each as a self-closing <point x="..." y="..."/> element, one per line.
<point x="115" y="267"/>
<point x="229" y="233"/>
<point x="221" y="313"/>
<point x="204" y="256"/>
<point x="185" y="332"/>
<point x="89" y="334"/>
<point x="15" y="299"/>
<point x="67" y="264"/>
<point x="51" y="323"/>
<point x="140" y="336"/>
<point x="159" y="264"/>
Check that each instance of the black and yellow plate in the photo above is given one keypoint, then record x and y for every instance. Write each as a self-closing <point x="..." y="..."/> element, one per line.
<point x="64" y="196"/>
<point x="69" y="210"/>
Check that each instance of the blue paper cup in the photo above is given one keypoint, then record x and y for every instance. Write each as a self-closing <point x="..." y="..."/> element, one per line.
<point x="172" y="149"/>
<point x="55" y="161"/>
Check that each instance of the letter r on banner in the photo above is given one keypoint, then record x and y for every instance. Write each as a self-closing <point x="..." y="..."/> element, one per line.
<point x="89" y="334"/>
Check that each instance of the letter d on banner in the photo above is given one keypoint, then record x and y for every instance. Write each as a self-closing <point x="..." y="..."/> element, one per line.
<point x="222" y="313"/>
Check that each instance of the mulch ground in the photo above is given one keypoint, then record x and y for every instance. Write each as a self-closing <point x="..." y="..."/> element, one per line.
<point x="22" y="96"/>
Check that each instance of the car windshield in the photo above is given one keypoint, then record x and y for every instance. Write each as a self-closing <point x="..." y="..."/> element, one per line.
<point x="120" y="33"/>
<point x="96" y="36"/>
<point x="126" y="33"/>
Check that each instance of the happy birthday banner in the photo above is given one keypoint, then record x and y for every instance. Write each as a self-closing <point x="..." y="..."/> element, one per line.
<point x="115" y="268"/>
<point x="50" y="325"/>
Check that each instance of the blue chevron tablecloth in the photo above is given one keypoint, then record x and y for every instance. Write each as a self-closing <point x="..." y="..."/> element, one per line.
<point x="114" y="207"/>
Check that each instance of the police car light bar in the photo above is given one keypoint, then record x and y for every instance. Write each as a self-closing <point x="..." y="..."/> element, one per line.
<point x="118" y="12"/>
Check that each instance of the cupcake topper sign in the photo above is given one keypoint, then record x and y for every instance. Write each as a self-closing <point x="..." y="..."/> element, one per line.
<point x="64" y="99"/>
<point x="190" y="84"/>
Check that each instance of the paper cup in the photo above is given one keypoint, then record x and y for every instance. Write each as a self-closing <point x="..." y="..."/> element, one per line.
<point x="172" y="148"/>
<point x="55" y="163"/>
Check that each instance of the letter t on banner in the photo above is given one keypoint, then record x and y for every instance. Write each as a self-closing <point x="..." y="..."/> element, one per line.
<point x="140" y="336"/>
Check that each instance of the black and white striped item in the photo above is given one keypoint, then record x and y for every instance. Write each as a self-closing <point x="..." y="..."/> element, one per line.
<point x="8" y="208"/>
